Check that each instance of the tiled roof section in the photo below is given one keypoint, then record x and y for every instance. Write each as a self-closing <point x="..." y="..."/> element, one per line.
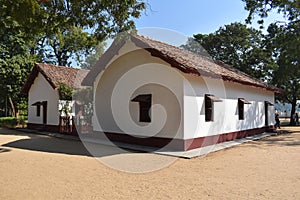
<point x="55" y="75"/>
<point x="191" y="63"/>
<point x="181" y="59"/>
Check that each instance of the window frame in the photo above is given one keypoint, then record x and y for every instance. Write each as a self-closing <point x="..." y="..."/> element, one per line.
<point x="241" y="108"/>
<point x="145" y="103"/>
<point x="209" y="109"/>
<point x="209" y="106"/>
<point x="38" y="108"/>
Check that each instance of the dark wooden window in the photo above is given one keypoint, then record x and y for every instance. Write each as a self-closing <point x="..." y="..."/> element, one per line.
<point x="208" y="109"/>
<point x="44" y="103"/>
<point x="241" y="106"/>
<point x="38" y="108"/>
<point x="209" y="106"/>
<point x="145" y="101"/>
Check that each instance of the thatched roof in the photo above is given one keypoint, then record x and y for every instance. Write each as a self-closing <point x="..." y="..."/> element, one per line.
<point x="181" y="59"/>
<point x="55" y="75"/>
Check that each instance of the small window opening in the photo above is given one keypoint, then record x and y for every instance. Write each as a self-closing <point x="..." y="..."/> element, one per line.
<point x="241" y="108"/>
<point x="209" y="106"/>
<point x="145" y="101"/>
<point x="38" y="108"/>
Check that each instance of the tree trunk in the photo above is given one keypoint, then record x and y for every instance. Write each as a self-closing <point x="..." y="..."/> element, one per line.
<point x="6" y="108"/>
<point x="294" y="104"/>
<point x="12" y="107"/>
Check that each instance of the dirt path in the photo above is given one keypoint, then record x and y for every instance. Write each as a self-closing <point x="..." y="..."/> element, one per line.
<point x="40" y="167"/>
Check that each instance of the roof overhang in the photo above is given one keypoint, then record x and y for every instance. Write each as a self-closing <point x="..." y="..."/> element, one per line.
<point x="244" y="101"/>
<point x="116" y="46"/>
<point x="32" y="76"/>
<point x="213" y="98"/>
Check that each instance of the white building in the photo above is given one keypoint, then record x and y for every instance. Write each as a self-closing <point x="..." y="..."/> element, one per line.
<point x="151" y="93"/>
<point x="43" y="97"/>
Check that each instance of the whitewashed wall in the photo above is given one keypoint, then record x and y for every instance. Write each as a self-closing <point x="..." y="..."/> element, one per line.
<point x="134" y="71"/>
<point x="226" y="112"/>
<point x="132" y="74"/>
<point x="41" y="90"/>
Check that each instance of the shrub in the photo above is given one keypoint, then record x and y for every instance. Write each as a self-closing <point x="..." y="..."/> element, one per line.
<point x="22" y="121"/>
<point x="10" y="122"/>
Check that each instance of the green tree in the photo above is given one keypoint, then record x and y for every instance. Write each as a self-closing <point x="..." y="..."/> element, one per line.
<point x="65" y="28"/>
<point x="93" y="57"/>
<point x="284" y="43"/>
<point x="193" y="45"/>
<point x="54" y="31"/>
<point x="262" y="8"/>
<point x="68" y="43"/>
<point x="65" y="92"/>
<point x="15" y="64"/>
<point x="239" y="46"/>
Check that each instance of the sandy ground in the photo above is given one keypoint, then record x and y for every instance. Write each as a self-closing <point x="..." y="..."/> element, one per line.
<point x="41" y="167"/>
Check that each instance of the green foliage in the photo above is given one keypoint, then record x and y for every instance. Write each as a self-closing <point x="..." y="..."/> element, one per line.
<point x="22" y="120"/>
<point x="23" y="107"/>
<point x="15" y="62"/>
<point x="9" y="122"/>
<point x="236" y="45"/>
<point x="66" y="43"/>
<point x="65" y="92"/>
<point x="94" y="56"/>
<point x="53" y="31"/>
<point x="84" y="98"/>
<point x="64" y="107"/>
<point x="66" y="29"/>
<point x="194" y="46"/>
<point x="284" y="44"/>
<point x="290" y="9"/>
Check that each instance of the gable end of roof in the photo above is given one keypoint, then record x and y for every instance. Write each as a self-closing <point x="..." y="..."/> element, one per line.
<point x="183" y="60"/>
<point x="55" y="75"/>
<point x="32" y="76"/>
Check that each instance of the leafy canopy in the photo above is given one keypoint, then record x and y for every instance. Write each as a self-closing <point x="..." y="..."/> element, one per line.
<point x="283" y="40"/>
<point x="54" y="31"/>
<point x="65" y="29"/>
<point x="236" y="45"/>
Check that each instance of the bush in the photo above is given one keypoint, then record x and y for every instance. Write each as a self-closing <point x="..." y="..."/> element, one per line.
<point x="22" y="121"/>
<point x="10" y="122"/>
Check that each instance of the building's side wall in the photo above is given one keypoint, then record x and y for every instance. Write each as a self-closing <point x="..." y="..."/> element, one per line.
<point x="41" y="90"/>
<point x="226" y="112"/>
<point x="132" y="74"/>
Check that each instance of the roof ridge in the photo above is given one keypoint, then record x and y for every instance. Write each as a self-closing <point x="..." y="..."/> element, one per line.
<point x="55" y="74"/>
<point x="186" y="61"/>
<point x="177" y="47"/>
<point x="231" y="68"/>
<point x="59" y="66"/>
<point x="206" y="58"/>
<point x="218" y="62"/>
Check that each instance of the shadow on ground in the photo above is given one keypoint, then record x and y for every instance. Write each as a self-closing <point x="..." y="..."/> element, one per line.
<point x="284" y="137"/>
<point x="73" y="147"/>
<point x="3" y="150"/>
<point x="48" y="144"/>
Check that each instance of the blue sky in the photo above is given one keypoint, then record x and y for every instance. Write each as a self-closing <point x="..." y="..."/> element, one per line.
<point x="172" y="21"/>
<point x="194" y="16"/>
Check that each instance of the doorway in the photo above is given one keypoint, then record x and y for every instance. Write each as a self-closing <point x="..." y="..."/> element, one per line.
<point x="267" y="105"/>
